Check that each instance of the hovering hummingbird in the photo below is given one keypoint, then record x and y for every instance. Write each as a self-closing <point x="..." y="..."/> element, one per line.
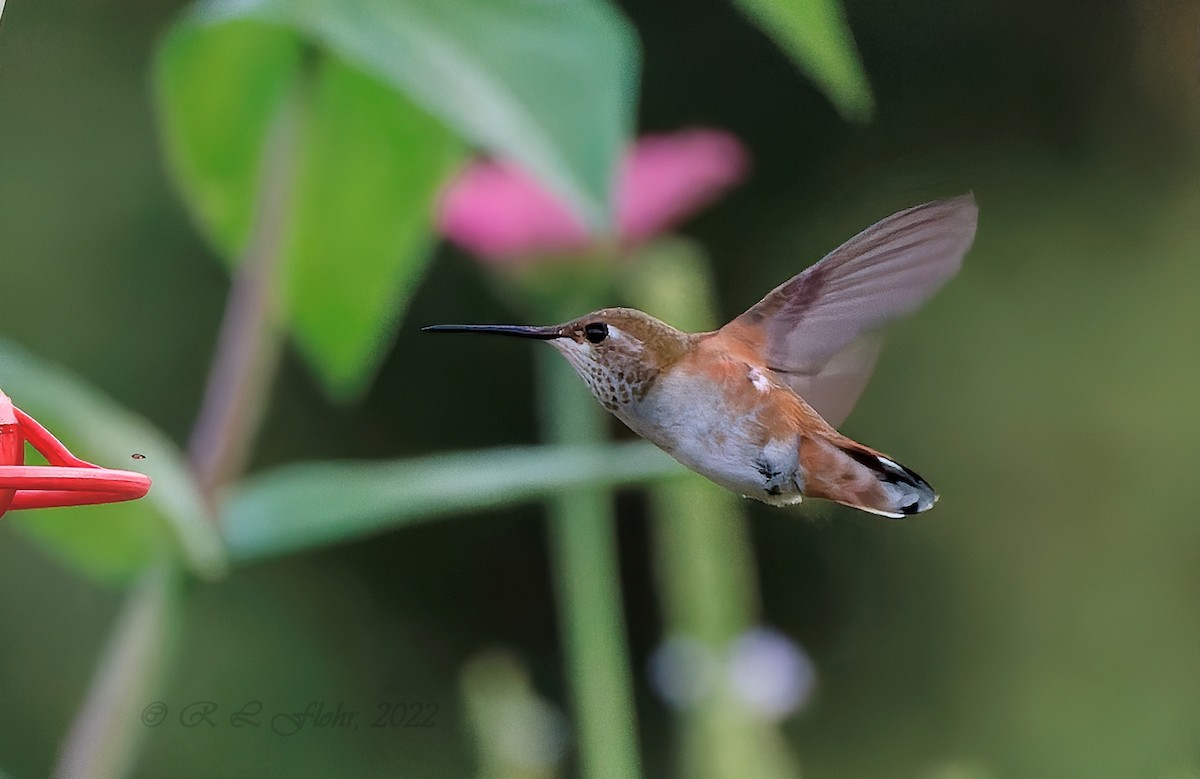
<point x="753" y="406"/>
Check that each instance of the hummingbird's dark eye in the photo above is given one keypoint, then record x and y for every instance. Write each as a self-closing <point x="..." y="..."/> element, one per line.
<point x="595" y="332"/>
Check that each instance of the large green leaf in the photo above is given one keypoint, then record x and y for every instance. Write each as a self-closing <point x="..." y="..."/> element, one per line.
<point x="354" y="181"/>
<point x="550" y="85"/>
<point x="303" y="506"/>
<point x="814" y="33"/>
<point x="218" y="94"/>
<point x="111" y="542"/>
<point x="370" y="169"/>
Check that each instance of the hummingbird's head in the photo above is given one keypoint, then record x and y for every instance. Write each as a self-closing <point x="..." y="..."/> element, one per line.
<point x="618" y="352"/>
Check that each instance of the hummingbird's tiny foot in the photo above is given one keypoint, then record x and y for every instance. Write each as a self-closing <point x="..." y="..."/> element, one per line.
<point x="778" y="465"/>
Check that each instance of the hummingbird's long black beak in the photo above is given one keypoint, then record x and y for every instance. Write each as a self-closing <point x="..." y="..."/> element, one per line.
<point x="520" y="331"/>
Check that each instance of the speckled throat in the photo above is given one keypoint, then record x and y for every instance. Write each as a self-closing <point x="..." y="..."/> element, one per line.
<point x="615" y="386"/>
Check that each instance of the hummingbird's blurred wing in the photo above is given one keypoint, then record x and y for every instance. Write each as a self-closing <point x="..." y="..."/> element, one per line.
<point x="833" y="390"/>
<point x="815" y="323"/>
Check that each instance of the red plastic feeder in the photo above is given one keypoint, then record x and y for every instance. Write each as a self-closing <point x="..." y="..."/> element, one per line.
<point x="66" y="481"/>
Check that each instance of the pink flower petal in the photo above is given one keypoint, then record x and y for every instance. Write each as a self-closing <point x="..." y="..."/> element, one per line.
<point x="498" y="212"/>
<point x="668" y="178"/>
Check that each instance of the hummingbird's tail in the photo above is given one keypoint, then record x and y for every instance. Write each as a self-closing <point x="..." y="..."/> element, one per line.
<point x="865" y="479"/>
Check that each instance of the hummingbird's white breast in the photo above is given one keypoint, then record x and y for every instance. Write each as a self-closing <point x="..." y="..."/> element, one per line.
<point x="717" y="428"/>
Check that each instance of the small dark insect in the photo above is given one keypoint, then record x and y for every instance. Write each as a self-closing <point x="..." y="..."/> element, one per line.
<point x="138" y="456"/>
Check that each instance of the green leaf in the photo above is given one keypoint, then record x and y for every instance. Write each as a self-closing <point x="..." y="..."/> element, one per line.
<point x="309" y="505"/>
<point x="362" y="205"/>
<point x="219" y="92"/>
<point x="111" y="542"/>
<point x="355" y="184"/>
<point x="814" y="33"/>
<point x="550" y="85"/>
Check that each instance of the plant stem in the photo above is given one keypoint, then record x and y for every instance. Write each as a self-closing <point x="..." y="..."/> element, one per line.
<point x="707" y="587"/>
<point x="705" y="566"/>
<point x="106" y="734"/>
<point x="250" y="340"/>
<point x="702" y="553"/>
<point x="109" y="729"/>
<point x="584" y="553"/>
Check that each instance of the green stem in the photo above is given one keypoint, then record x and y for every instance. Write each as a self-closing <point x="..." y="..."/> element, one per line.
<point x="704" y="562"/>
<point x="702" y="552"/>
<point x="707" y="587"/>
<point x="584" y="553"/>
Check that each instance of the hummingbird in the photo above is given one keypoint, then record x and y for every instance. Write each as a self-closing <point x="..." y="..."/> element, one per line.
<point x="753" y="406"/>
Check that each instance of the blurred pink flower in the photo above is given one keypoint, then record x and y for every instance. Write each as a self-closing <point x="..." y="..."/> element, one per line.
<point x="498" y="212"/>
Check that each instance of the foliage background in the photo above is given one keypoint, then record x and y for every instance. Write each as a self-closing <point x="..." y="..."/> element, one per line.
<point x="1042" y="621"/>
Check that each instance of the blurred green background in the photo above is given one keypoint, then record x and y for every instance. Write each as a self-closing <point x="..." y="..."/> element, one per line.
<point x="1043" y="621"/>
